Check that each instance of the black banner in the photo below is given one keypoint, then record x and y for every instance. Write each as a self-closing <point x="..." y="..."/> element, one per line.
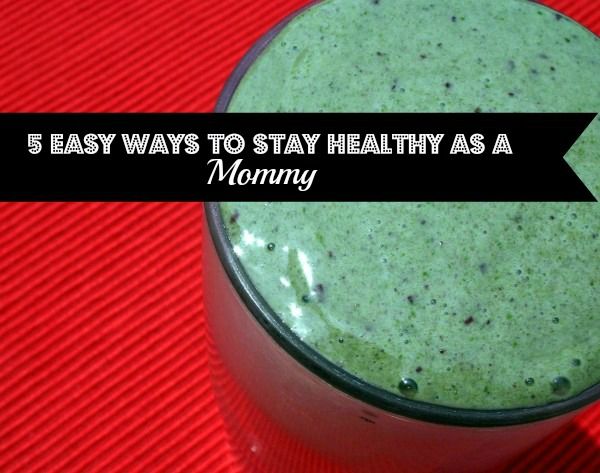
<point x="355" y="157"/>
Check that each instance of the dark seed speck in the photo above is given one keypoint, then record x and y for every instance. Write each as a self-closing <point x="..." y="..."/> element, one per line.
<point x="320" y="290"/>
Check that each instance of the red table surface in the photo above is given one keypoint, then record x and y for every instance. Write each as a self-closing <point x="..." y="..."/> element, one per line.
<point x="102" y="353"/>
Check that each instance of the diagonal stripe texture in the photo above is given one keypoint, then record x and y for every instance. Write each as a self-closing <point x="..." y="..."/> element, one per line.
<point x="103" y="362"/>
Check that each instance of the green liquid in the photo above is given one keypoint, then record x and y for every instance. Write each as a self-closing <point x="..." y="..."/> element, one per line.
<point x="480" y="305"/>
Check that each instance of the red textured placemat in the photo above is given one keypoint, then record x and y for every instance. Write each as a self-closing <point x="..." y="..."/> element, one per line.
<point x="102" y="358"/>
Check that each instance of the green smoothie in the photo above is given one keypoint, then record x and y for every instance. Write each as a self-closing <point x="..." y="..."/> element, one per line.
<point x="473" y="305"/>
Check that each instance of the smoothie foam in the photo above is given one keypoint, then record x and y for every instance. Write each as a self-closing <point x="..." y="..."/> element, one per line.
<point x="474" y="305"/>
